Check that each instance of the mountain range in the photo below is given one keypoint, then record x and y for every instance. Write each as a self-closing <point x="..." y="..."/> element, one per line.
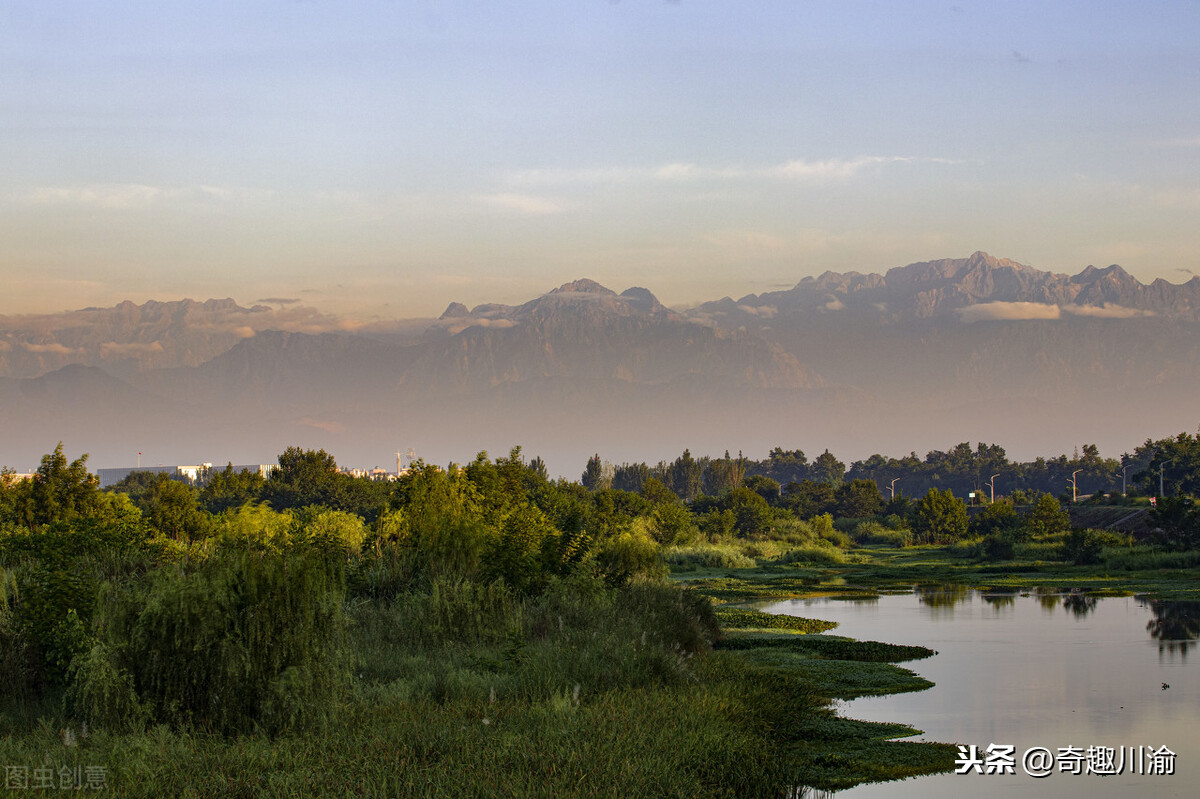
<point x="924" y="356"/>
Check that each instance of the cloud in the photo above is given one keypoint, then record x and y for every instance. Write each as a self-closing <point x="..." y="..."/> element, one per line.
<point x="457" y="326"/>
<point x="328" y="427"/>
<point x="835" y="305"/>
<point x="5" y="346"/>
<point x="526" y="204"/>
<point x="1106" y="311"/>
<point x="128" y="196"/>
<point x="831" y="168"/>
<point x="278" y="301"/>
<point x="683" y="172"/>
<point x="1008" y="311"/>
<point x="244" y="331"/>
<point x="112" y="197"/>
<point x="1018" y="311"/>
<point x="134" y="348"/>
<point x="761" y="311"/>
<point x="56" y="348"/>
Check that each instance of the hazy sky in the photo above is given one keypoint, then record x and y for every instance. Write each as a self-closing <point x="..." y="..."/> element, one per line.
<point x="388" y="157"/>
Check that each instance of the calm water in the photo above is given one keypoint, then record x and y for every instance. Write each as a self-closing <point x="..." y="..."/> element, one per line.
<point x="1035" y="670"/>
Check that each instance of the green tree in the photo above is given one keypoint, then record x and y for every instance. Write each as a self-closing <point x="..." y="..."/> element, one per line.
<point x="1047" y="517"/>
<point x="858" y="499"/>
<point x="939" y="517"/>
<point x="752" y="514"/>
<point x="229" y="489"/>
<point x="999" y="518"/>
<point x="671" y="523"/>
<point x="171" y="508"/>
<point x="828" y="469"/>
<point x="59" y="491"/>
<point x="764" y="486"/>
<point x="305" y="477"/>
<point x="1177" y="523"/>
<point x="598" y="476"/>
<point x="810" y="498"/>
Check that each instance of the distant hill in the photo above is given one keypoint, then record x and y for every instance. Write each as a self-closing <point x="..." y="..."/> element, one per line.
<point x="924" y="356"/>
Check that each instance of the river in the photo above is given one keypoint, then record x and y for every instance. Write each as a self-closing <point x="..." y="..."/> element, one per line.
<point x="1026" y="670"/>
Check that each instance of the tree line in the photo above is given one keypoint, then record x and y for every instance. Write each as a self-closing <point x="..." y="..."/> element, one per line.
<point x="984" y="470"/>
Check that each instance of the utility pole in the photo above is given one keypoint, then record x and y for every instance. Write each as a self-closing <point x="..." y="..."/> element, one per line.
<point x="1074" y="493"/>
<point x="1162" y="466"/>
<point x="992" y="483"/>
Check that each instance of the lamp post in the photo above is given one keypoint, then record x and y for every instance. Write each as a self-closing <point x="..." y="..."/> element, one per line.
<point x="892" y="487"/>
<point x="1162" y="466"/>
<point x="992" y="483"/>
<point x="1074" y="492"/>
<point x="1123" y="470"/>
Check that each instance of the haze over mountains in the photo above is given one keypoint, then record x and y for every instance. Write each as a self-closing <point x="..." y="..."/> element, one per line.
<point x="919" y="358"/>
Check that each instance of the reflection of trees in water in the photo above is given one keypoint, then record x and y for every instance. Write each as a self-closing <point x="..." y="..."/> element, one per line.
<point x="1174" y="624"/>
<point x="1000" y="600"/>
<point x="1047" y="598"/>
<point x="1079" y="604"/>
<point x="804" y="792"/>
<point x="943" y="596"/>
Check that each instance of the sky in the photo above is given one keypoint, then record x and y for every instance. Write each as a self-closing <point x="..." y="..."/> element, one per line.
<point x="381" y="159"/>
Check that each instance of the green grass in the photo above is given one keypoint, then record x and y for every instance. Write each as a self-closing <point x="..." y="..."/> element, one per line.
<point x="746" y="619"/>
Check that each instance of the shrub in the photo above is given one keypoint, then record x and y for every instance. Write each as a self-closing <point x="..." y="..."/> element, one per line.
<point x="1082" y="547"/>
<point x="628" y="556"/>
<point x="871" y="532"/>
<point x="247" y="640"/>
<point x="707" y="556"/>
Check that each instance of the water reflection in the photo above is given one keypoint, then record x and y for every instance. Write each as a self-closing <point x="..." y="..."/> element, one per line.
<point x="943" y="596"/>
<point x="1001" y="600"/>
<point x="1030" y="668"/>
<point x="1047" y="598"/>
<point x="1079" y="604"/>
<point x="1175" y="625"/>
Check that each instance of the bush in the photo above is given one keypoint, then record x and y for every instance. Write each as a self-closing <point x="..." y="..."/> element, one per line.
<point x="628" y="556"/>
<point x="709" y="557"/>
<point x="813" y="553"/>
<point x="1082" y="547"/>
<point x="871" y="532"/>
<point x="248" y="640"/>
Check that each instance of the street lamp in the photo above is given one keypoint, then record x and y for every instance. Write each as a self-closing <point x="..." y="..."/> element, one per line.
<point x="892" y="487"/>
<point x="992" y="483"/>
<point x="1074" y="493"/>
<point x="1123" y="470"/>
<point x="1162" y="466"/>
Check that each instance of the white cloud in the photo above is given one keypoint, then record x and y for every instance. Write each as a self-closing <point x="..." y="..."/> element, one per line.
<point x="131" y="348"/>
<point x="56" y="348"/>
<point x="1106" y="311"/>
<point x="111" y="196"/>
<point x="328" y="427"/>
<point x="831" y="168"/>
<point x="1008" y="311"/>
<point x="678" y="172"/>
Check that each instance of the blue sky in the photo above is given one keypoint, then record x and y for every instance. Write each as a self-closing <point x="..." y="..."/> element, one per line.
<point x="385" y="158"/>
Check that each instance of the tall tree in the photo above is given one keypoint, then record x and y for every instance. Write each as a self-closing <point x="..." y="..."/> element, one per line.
<point x="939" y="517"/>
<point x="828" y="469"/>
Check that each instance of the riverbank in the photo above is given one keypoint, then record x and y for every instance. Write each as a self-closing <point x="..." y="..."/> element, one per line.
<point x="877" y="569"/>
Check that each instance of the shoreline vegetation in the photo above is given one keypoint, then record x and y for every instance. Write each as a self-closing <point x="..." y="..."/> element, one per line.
<point x="484" y="631"/>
